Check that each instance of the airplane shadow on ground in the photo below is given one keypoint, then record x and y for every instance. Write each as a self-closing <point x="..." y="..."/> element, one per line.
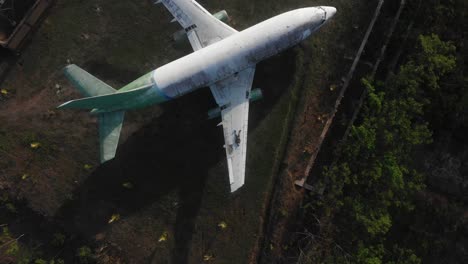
<point x="174" y="152"/>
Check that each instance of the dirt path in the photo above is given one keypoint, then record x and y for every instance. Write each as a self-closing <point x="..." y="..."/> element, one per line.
<point x="305" y="141"/>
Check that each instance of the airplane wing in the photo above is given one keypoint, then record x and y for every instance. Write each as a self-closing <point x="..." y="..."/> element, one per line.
<point x="201" y="27"/>
<point x="233" y="95"/>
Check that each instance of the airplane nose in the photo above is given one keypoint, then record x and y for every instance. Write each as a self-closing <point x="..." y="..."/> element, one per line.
<point x="330" y="11"/>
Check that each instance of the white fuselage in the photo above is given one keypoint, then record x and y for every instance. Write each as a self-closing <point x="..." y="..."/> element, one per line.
<point x="233" y="54"/>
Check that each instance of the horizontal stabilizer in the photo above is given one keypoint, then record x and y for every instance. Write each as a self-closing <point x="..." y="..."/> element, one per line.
<point x="85" y="82"/>
<point x="109" y="101"/>
<point x="110" y="125"/>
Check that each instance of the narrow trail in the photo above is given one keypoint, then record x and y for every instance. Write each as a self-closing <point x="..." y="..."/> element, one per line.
<point x="343" y="90"/>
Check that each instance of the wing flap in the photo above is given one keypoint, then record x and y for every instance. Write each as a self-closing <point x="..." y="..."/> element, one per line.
<point x="232" y="95"/>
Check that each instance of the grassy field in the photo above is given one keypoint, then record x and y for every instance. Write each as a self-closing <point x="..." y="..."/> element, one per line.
<point x="170" y="154"/>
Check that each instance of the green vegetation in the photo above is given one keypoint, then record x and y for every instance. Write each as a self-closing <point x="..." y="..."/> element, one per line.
<point x="14" y="250"/>
<point x="11" y="250"/>
<point x="376" y="207"/>
<point x="6" y="203"/>
<point x="85" y="255"/>
<point x="373" y="175"/>
<point x="58" y="240"/>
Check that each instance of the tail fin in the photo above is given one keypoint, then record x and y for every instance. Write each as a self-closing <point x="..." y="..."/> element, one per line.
<point x="110" y="125"/>
<point x="100" y="95"/>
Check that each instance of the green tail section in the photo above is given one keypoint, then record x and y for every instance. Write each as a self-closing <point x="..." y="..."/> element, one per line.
<point x="85" y="82"/>
<point x="103" y="97"/>
<point x="110" y="125"/>
<point x="103" y="102"/>
<point x="99" y="95"/>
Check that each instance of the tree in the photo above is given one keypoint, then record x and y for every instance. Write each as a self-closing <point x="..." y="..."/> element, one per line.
<point x="373" y="176"/>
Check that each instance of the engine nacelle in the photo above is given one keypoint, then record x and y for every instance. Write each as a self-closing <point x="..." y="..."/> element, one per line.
<point x="222" y="15"/>
<point x="255" y="95"/>
<point x="180" y="37"/>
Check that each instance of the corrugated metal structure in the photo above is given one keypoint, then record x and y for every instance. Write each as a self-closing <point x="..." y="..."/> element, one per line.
<point x="26" y="26"/>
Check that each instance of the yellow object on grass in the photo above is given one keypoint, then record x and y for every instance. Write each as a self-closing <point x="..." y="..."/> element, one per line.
<point x="35" y="145"/>
<point x="163" y="237"/>
<point x="114" y="218"/>
<point x="128" y="185"/>
<point x="208" y="257"/>
<point x="222" y="225"/>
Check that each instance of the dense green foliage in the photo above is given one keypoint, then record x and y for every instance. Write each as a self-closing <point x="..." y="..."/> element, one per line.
<point x="370" y="189"/>
<point x="373" y="175"/>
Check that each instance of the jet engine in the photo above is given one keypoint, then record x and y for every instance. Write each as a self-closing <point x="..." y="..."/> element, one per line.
<point x="180" y="37"/>
<point x="255" y="95"/>
<point x="222" y="15"/>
